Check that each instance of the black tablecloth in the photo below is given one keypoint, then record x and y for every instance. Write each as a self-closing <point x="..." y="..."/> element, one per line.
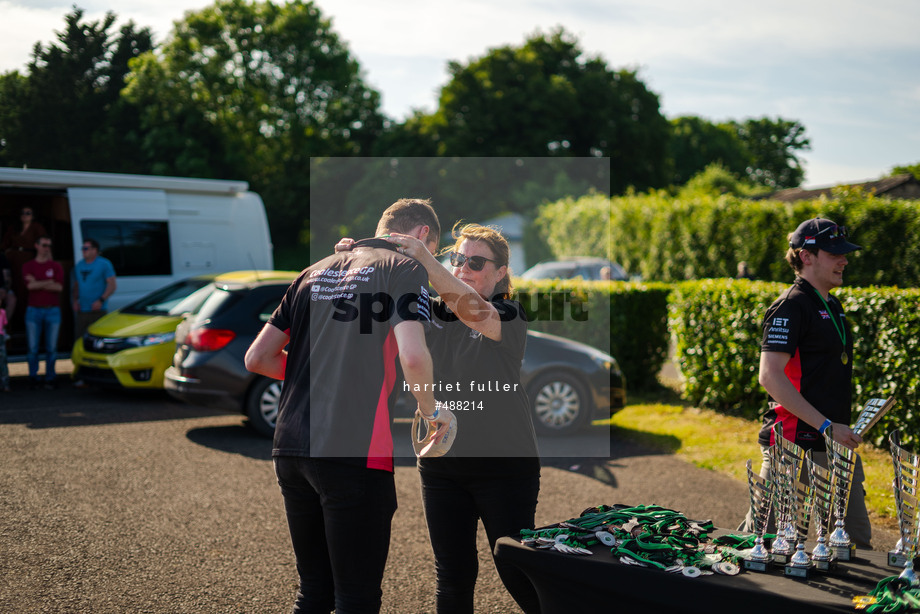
<point x="567" y="583"/>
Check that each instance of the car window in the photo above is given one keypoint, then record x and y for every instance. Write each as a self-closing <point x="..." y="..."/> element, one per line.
<point x="550" y="271"/>
<point x="617" y="272"/>
<point x="217" y="300"/>
<point x="269" y="308"/>
<point x="174" y="299"/>
<point x="271" y="302"/>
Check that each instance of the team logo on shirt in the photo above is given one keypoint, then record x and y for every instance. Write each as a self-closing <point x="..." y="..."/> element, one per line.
<point x="824" y="315"/>
<point x="778" y="331"/>
<point x="424" y="305"/>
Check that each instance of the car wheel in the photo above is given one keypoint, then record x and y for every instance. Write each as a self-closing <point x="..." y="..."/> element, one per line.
<point x="560" y="404"/>
<point x="262" y="406"/>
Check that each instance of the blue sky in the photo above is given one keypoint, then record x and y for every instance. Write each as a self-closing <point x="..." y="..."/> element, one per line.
<point x="849" y="70"/>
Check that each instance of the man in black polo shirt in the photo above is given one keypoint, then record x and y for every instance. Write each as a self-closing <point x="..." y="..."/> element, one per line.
<point x="334" y="339"/>
<point x="806" y="360"/>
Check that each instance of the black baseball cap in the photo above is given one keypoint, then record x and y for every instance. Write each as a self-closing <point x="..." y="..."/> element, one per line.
<point x="823" y="234"/>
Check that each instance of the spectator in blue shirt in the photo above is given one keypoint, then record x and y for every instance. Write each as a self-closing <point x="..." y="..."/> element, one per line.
<point x="93" y="283"/>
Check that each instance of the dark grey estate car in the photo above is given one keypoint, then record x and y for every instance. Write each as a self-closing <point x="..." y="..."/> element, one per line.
<point x="568" y="383"/>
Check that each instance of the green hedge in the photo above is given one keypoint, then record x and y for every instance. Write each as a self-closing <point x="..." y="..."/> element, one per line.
<point x="626" y="319"/>
<point x="666" y="238"/>
<point x="716" y="324"/>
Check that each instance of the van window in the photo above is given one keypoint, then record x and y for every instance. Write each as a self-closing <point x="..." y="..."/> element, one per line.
<point x="135" y="247"/>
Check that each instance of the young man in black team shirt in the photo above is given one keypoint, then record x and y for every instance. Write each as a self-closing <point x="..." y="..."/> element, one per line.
<point x="343" y="322"/>
<point x="806" y="360"/>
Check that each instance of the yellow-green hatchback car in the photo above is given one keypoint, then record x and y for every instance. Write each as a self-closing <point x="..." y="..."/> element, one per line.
<point x="133" y="346"/>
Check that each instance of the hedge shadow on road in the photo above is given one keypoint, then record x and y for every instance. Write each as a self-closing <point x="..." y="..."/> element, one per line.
<point x="624" y="443"/>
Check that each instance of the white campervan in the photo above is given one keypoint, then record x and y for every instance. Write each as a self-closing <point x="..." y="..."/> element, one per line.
<point x="155" y="230"/>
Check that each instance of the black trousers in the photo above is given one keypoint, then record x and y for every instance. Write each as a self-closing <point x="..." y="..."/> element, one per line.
<point x="453" y="507"/>
<point x="339" y="517"/>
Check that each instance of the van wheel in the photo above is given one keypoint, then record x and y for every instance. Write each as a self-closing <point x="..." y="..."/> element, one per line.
<point x="560" y="403"/>
<point x="262" y="406"/>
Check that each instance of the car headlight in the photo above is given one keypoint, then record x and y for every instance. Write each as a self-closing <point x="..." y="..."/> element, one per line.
<point x="145" y="340"/>
<point x="601" y="358"/>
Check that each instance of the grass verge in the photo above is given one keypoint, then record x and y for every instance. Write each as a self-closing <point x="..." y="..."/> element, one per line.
<point x="724" y="443"/>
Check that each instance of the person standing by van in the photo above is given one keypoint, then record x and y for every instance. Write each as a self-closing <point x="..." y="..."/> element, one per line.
<point x="44" y="279"/>
<point x="93" y="282"/>
<point x="18" y="246"/>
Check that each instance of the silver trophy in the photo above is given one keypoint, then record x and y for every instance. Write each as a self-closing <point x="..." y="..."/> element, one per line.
<point x="871" y="413"/>
<point x="799" y="565"/>
<point x="759" y="558"/>
<point x="786" y="459"/>
<point x="842" y="463"/>
<point x="822" y="505"/>
<point x="906" y="485"/>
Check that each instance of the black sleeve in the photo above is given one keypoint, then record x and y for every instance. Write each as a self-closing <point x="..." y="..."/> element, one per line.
<point x="409" y="287"/>
<point x="514" y="326"/>
<point x="282" y="316"/>
<point x="782" y="327"/>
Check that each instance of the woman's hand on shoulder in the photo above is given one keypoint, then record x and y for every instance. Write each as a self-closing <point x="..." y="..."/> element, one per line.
<point x="410" y="246"/>
<point x="344" y="245"/>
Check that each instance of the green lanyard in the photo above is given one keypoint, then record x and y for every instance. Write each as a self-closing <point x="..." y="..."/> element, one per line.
<point x="841" y="331"/>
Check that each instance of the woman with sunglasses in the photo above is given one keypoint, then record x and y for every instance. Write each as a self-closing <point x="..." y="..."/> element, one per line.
<point x="492" y="472"/>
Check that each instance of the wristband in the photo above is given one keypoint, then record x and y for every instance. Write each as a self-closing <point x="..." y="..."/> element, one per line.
<point x="433" y="416"/>
<point x="824" y="426"/>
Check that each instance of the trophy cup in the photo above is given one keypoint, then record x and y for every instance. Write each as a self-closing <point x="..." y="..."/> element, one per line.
<point x="842" y="463"/>
<point x="906" y="484"/>
<point x="871" y="413"/>
<point x="759" y="559"/>
<point x="799" y="565"/>
<point x="786" y="465"/>
<point x="822" y="485"/>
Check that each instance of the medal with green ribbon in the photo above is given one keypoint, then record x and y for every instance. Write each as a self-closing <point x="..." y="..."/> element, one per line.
<point x="841" y="331"/>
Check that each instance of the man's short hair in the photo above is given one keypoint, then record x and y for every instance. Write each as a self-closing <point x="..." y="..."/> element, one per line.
<point x="407" y="213"/>
<point x="794" y="258"/>
<point x="93" y="242"/>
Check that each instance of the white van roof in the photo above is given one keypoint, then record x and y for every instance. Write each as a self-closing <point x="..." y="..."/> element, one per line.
<point x="65" y="179"/>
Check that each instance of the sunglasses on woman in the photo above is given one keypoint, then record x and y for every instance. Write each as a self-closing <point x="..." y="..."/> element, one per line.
<point x="476" y="262"/>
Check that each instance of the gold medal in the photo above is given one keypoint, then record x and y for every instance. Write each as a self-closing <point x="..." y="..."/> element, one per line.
<point x="841" y="330"/>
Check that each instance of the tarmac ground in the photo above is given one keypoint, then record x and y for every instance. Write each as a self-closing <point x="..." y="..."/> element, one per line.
<point x="117" y="501"/>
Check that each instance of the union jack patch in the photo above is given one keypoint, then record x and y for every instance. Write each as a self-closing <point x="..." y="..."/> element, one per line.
<point x="824" y="315"/>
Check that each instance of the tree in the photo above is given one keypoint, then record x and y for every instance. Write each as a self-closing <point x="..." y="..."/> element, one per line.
<point x="254" y="90"/>
<point x="913" y="169"/>
<point x="772" y="146"/>
<point x="66" y="112"/>
<point x="761" y="151"/>
<point x="715" y="180"/>
<point x="546" y="98"/>
<point x="697" y="143"/>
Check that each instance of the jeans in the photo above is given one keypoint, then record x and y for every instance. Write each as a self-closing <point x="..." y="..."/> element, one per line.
<point x="339" y="517"/>
<point x="453" y="508"/>
<point x="37" y="319"/>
